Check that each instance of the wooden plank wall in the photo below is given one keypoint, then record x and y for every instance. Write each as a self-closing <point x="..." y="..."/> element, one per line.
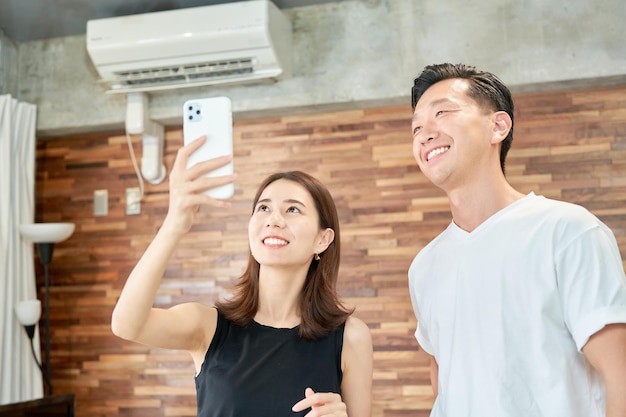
<point x="569" y="145"/>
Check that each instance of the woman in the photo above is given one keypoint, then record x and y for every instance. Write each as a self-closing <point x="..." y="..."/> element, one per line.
<point x="283" y="345"/>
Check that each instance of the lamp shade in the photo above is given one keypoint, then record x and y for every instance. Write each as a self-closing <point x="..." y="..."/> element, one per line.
<point x="28" y="312"/>
<point x="47" y="232"/>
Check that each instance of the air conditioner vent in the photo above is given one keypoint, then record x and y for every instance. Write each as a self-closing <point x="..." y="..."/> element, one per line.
<point x="185" y="74"/>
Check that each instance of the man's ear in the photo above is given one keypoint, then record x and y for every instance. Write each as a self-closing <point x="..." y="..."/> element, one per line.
<point x="327" y="237"/>
<point x="502" y="124"/>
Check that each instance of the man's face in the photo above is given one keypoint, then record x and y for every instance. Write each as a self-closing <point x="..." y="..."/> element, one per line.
<point x="452" y="134"/>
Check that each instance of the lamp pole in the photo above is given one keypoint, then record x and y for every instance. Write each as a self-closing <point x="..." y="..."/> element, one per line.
<point x="30" y="332"/>
<point x="45" y="254"/>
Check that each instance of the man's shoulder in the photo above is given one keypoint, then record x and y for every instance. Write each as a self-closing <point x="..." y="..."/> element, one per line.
<point x="557" y="209"/>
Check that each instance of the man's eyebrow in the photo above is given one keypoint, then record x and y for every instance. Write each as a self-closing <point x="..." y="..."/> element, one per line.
<point x="433" y="104"/>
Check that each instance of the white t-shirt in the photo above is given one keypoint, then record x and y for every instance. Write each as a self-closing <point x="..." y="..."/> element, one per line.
<point x="507" y="308"/>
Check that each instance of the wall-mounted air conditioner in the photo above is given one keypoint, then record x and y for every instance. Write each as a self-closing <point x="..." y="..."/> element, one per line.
<point x="225" y="43"/>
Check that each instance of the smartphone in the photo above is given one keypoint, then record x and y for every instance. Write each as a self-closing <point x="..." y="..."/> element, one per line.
<point x="211" y="117"/>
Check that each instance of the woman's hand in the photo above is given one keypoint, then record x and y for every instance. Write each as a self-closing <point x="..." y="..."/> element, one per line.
<point x="187" y="185"/>
<point x="134" y="317"/>
<point x="321" y="404"/>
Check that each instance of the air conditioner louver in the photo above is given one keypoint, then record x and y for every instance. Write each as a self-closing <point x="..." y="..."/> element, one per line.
<point x="183" y="76"/>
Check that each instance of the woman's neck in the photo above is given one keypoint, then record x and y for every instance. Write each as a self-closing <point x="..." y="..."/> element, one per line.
<point x="279" y="294"/>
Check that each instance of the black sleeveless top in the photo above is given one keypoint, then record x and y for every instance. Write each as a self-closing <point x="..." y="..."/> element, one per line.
<point x="261" y="371"/>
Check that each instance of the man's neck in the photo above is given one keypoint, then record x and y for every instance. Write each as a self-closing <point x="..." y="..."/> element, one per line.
<point x="472" y="204"/>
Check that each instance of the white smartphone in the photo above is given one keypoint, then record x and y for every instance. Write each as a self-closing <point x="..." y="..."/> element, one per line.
<point x="211" y="117"/>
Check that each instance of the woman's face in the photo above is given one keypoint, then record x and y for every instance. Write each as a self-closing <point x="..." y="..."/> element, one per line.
<point x="284" y="227"/>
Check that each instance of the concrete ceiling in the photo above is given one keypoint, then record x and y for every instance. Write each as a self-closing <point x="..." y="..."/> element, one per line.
<point x="27" y="20"/>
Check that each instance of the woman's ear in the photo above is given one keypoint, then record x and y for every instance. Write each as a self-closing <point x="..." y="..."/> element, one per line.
<point x="326" y="238"/>
<point x="501" y="126"/>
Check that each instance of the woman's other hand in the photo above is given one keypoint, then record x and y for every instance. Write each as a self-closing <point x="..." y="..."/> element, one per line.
<point x="321" y="404"/>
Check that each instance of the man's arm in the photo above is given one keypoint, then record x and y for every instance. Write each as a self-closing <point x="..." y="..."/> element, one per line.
<point x="606" y="351"/>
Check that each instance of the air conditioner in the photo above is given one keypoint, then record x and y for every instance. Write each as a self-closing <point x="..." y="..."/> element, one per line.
<point x="225" y="43"/>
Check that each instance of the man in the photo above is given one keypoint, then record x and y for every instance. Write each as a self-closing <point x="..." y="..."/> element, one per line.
<point x="521" y="301"/>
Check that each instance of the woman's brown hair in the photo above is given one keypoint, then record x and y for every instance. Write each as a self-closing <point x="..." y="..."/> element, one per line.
<point x="320" y="308"/>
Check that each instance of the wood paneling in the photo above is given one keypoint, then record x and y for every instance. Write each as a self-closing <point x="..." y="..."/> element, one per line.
<point x="569" y="145"/>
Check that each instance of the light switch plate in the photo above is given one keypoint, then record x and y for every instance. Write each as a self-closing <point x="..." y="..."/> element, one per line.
<point x="133" y="201"/>
<point x="100" y="202"/>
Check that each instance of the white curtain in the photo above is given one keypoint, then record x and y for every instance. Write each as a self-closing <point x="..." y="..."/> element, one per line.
<point x="20" y="378"/>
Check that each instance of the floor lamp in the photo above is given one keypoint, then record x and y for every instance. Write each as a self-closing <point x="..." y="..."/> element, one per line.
<point x="45" y="235"/>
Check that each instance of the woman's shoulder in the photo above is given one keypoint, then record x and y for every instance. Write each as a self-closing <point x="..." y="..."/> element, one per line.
<point x="357" y="352"/>
<point x="194" y="310"/>
<point x="356" y="332"/>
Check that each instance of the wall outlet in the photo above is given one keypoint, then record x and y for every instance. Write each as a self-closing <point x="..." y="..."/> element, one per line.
<point x="133" y="201"/>
<point x="100" y="202"/>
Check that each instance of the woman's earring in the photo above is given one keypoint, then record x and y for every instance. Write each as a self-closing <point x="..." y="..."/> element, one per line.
<point x="317" y="256"/>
